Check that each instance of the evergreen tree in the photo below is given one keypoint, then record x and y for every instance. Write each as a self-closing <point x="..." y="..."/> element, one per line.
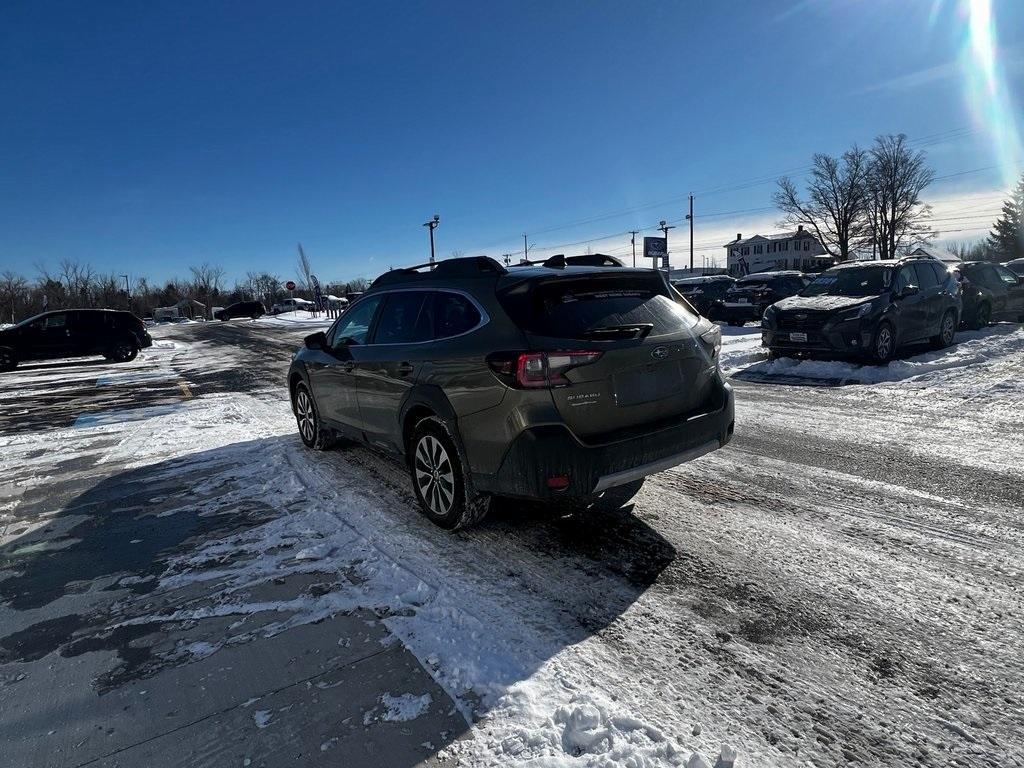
<point x="1006" y="241"/>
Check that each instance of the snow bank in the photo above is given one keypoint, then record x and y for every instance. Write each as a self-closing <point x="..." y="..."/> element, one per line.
<point x="298" y="317"/>
<point x="742" y="353"/>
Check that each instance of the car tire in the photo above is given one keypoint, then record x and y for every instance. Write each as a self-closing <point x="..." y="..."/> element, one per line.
<point x="440" y="480"/>
<point x="947" y="331"/>
<point x="883" y="345"/>
<point x="8" y="361"/>
<point x="307" y="418"/>
<point x="123" y="351"/>
<point x="982" y="316"/>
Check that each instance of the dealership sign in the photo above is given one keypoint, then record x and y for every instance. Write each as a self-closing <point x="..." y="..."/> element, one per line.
<point x="656" y="248"/>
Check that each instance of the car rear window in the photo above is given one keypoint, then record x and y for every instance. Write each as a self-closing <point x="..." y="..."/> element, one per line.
<point x="595" y="306"/>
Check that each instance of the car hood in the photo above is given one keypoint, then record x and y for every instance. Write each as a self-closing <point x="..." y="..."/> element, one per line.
<point x="822" y="303"/>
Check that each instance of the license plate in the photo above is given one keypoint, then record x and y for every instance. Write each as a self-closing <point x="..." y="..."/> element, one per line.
<point x="798" y="337"/>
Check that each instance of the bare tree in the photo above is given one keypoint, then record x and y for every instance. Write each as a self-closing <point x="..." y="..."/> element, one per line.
<point x="263" y="286"/>
<point x="13" y="294"/>
<point x="836" y="200"/>
<point x="358" y="284"/>
<point x="897" y="217"/>
<point x="206" y="281"/>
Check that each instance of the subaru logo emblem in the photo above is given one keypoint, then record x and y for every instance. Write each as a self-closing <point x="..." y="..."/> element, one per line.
<point x="659" y="353"/>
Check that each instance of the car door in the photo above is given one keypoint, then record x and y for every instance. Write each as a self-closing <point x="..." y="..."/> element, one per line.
<point x="50" y="337"/>
<point x="390" y="362"/>
<point x="910" y="310"/>
<point x="931" y="297"/>
<point x="89" y="332"/>
<point x="332" y="372"/>
<point x="1014" y="285"/>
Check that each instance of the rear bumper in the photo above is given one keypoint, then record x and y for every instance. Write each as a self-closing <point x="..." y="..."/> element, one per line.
<point x="539" y="453"/>
<point x="145" y="340"/>
<point x="744" y="313"/>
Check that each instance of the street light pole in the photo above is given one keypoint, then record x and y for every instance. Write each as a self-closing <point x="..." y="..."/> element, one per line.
<point x="127" y="293"/>
<point x="689" y="216"/>
<point x="664" y="227"/>
<point x="432" y="225"/>
<point x="632" y="241"/>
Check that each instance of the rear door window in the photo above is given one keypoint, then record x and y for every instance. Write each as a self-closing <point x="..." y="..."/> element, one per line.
<point x="925" y="276"/>
<point x="454" y="314"/>
<point x="407" y="317"/>
<point x="1008" y="277"/>
<point x="596" y="307"/>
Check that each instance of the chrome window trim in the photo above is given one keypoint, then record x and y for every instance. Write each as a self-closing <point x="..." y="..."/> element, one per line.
<point x="484" y="317"/>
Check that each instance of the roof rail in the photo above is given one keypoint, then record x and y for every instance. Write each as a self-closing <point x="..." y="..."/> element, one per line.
<point x="561" y="261"/>
<point x="469" y="266"/>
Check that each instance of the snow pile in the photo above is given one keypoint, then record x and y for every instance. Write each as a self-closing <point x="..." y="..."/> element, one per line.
<point x="399" y="709"/>
<point x="742" y="353"/>
<point x="298" y="317"/>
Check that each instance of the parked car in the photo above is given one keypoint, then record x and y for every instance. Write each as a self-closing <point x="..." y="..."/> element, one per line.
<point x="703" y="292"/>
<point x="291" y="305"/>
<point x="1016" y="266"/>
<point x="250" y="309"/>
<point x="747" y="299"/>
<point x="557" y="383"/>
<point x="118" y="336"/>
<point x="867" y="309"/>
<point x="990" y="292"/>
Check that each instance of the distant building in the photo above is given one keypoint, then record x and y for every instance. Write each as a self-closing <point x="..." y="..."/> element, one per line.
<point x="789" y="250"/>
<point x="940" y="254"/>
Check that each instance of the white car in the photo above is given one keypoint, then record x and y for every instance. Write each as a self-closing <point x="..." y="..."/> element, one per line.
<point x="291" y="305"/>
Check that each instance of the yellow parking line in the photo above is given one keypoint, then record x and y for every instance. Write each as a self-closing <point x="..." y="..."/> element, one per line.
<point x="185" y="390"/>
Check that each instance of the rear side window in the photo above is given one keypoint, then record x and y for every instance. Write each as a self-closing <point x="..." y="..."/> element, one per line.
<point x="453" y="314"/>
<point x="406" y="318"/>
<point x="596" y="307"/>
<point x="925" y="276"/>
<point x="1005" y="275"/>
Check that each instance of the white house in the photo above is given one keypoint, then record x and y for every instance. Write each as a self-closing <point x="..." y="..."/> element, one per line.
<point x="788" y="250"/>
<point x="939" y="254"/>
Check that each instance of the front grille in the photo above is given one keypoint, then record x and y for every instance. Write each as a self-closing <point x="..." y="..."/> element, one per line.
<point x="800" y="320"/>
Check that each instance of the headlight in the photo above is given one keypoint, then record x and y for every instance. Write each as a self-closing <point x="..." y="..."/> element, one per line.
<point x="854" y="314"/>
<point x="769" y="313"/>
<point x="713" y="338"/>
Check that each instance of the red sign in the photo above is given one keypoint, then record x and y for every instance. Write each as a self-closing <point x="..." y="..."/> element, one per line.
<point x="290" y="285"/>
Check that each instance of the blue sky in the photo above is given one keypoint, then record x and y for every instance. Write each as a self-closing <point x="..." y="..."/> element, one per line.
<point x="144" y="137"/>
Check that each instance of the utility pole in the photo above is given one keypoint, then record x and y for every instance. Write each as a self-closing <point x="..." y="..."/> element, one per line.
<point x="432" y="225"/>
<point x="690" y="217"/>
<point x="632" y="241"/>
<point x="127" y="293"/>
<point x="664" y="227"/>
<point x="525" y="249"/>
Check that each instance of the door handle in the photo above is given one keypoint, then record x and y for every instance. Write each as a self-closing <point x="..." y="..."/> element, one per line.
<point x="405" y="368"/>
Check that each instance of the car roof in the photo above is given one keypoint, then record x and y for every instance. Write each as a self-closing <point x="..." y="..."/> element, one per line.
<point x="701" y="279"/>
<point x="769" y="275"/>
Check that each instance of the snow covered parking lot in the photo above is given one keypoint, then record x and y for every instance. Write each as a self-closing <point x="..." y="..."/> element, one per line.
<point x="840" y="585"/>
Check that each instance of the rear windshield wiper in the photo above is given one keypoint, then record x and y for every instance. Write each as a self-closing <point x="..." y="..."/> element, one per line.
<point x="632" y="331"/>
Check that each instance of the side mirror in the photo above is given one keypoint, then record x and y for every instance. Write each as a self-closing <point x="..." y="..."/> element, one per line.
<point x="316" y="340"/>
<point x="909" y="290"/>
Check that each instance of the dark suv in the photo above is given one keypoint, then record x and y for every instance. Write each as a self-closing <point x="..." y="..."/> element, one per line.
<point x="550" y="382"/>
<point x="703" y="292"/>
<point x="250" y="309"/>
<point x="990" y="292"/>
<point x="867" y="308"/>
<point x="747" y="300"/>
<point x="118" y="336"/>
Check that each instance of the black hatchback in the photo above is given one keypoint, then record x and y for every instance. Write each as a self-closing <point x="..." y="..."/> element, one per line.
<point x="867" y="308"/>
<point x="703" y="292"/>
<point x="116" y="335"/>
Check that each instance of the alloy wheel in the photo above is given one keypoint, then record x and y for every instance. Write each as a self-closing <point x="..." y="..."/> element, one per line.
<point x="305" y="415"/>
<point x="122" y="352"/>
<point x="883" y="344"/>
<point x="435" y="477"/>
<point x="948" y="329"/>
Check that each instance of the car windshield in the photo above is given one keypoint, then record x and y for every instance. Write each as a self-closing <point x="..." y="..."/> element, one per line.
<point x="860" y="281"/>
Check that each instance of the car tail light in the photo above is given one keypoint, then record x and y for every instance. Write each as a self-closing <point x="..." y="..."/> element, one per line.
<point x="531" y="370"/>
<point x="558" y="482"/>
